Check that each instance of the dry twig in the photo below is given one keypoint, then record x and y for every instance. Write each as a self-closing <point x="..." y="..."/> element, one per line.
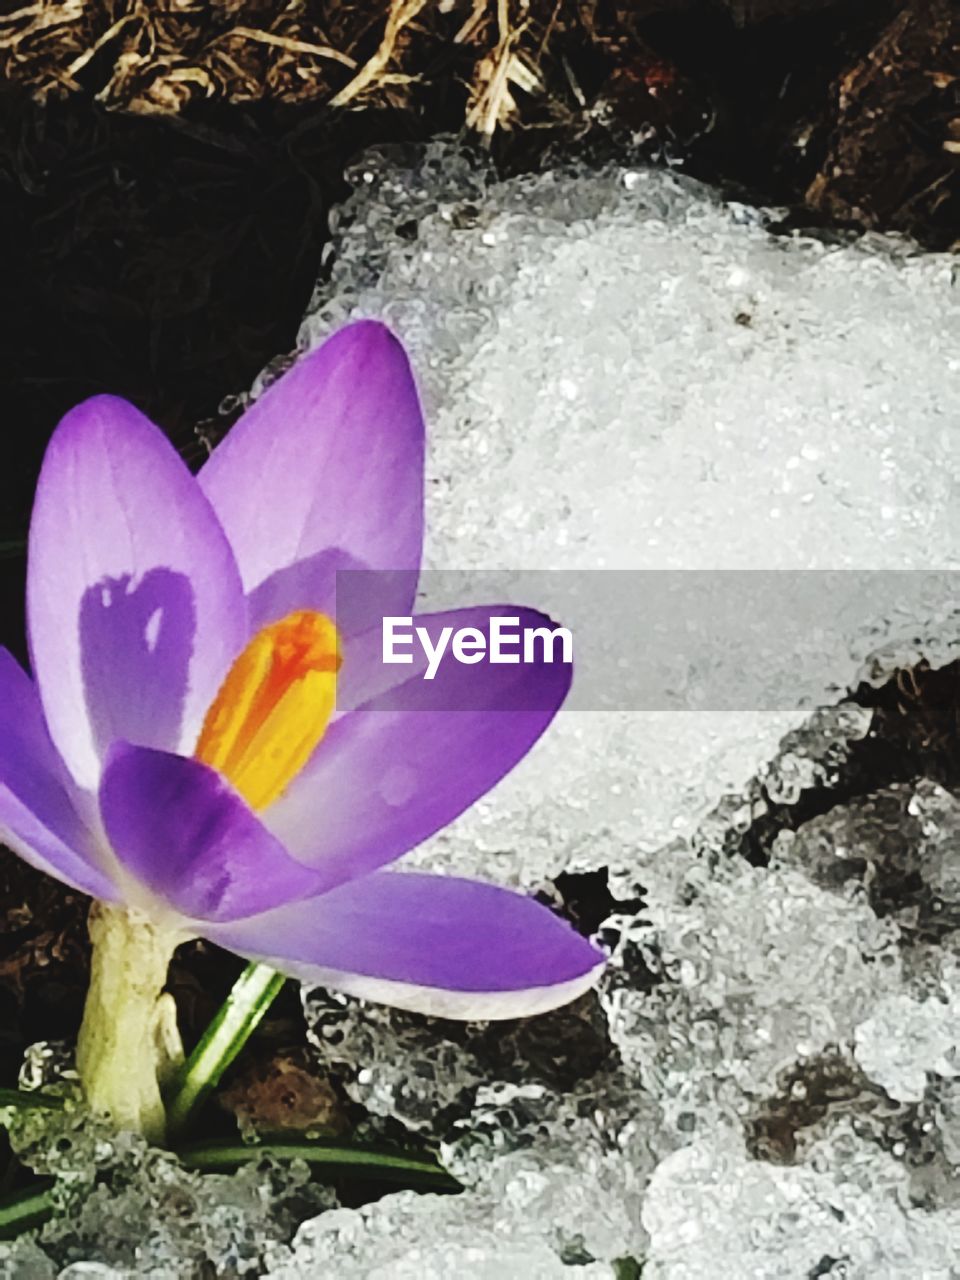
<point x="401" y="13"/>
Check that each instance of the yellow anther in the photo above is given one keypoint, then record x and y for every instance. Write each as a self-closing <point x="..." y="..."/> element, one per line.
<point x="273" y="707"/>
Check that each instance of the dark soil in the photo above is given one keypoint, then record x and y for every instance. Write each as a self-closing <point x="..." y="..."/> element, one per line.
<point x="161" y="232"/>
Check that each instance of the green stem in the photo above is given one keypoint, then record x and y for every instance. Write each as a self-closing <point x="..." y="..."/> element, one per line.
<point x="253" y="993"/>
<point x="26" y="1100"/>
<point x="25" y="1210"/>
<point x="363" y="1162"/>
<point x="128" y="1035"/>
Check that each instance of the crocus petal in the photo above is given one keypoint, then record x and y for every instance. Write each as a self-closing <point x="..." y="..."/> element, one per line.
<point x="435" y="944"/>
<point x="307" y="584"/>
<point x="135" y="605"/>
<point x="38" y="815"/>
<point x="328" y="458"/>
<point x="405" y="763"/>
<point x="186" y="835"/>
<point x="334" y="583"/>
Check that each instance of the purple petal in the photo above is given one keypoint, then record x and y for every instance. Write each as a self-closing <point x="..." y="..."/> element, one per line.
<point x="408" y="761"/>
<point x="334" y="583"/>
<point x="435" y="944"/>
<point x="186" y="834"/>
<point x="308" y="584"/>
<point x="134" y="600"/>
<point x="38" y="815"/>
<point x="329" y="458"/>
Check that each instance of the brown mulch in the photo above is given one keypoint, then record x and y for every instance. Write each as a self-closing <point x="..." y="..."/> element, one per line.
<point x="894" y="149"/>
<point x="885" y="110"/>
<point x="43" y="961"/>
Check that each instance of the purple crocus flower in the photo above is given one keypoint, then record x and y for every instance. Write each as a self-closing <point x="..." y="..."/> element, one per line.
<point x="179" y="751"/>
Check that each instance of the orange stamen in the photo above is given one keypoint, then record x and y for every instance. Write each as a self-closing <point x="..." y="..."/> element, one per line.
<point x="273" y="707"/>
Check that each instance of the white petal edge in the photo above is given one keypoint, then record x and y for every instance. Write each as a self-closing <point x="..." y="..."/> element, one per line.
<point x="440" y="1002"/>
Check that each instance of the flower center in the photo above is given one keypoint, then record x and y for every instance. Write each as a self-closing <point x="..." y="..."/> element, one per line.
<point x="273" y="707"/>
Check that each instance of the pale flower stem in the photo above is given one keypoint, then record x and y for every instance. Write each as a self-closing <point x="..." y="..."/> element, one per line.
<point x="252" y="995"/>
<point x="119" y="1053"/>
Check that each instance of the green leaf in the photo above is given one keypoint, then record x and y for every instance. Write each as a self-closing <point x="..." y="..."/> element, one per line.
<point x="239" y="1015"/>
<point x="336" y="1157"/>
<point x="25" y="1210"/>
<point x="627" y="1269"/>
<point x="24" y="1098"/>
<point x="34" y="1206"/>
